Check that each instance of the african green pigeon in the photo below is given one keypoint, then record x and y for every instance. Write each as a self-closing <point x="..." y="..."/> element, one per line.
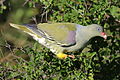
<point x="61" y="37"/>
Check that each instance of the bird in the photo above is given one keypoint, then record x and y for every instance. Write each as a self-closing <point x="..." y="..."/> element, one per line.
<point x="62" y="37"/>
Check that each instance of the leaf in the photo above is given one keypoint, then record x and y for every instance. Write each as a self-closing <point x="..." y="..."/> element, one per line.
<point x="115" y="11"/>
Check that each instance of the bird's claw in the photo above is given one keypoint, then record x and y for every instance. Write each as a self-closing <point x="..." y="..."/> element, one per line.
<point x="71" y="56"/>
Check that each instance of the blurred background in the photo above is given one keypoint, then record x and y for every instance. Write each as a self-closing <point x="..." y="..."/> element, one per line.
<point x="14" y="43"/>
<point x="12" y="11"/>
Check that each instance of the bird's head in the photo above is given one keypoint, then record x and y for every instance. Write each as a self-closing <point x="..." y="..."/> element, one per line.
<point x="97" y="30"/>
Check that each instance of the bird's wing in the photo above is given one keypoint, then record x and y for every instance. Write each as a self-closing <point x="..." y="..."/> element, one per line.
<point x="63" y="33"/>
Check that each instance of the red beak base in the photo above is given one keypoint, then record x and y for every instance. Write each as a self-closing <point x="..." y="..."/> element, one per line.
<point x="104" y="35"/>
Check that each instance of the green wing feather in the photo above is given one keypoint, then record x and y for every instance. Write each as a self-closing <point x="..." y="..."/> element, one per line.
<point x="58" y="31"/>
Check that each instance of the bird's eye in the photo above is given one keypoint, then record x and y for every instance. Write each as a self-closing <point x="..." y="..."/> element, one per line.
<point x="98" y="29"/>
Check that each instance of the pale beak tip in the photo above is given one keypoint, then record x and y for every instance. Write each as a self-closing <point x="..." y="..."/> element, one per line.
<point x="105" y="36"/>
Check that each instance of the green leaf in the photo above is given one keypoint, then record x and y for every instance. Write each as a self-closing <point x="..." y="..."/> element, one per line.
<point x="115" y="11"/>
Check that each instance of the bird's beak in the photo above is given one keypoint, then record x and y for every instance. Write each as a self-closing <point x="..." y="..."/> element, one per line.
<point x="104" y="35"/>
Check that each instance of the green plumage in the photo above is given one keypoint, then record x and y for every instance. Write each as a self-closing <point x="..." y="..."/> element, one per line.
<point x="60" y="37"/>
<point x="58" y="31"/>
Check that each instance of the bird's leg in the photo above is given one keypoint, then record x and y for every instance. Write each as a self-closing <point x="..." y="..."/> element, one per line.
<point x="61" y="55"/>
<point x="64" y="56"/>
<point x="59" y="52"/>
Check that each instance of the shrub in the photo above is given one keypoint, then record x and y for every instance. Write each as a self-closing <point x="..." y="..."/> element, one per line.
<point x="100" y="62"/>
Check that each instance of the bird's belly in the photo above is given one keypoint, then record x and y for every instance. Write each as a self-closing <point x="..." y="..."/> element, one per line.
<point x="76" y="47"/>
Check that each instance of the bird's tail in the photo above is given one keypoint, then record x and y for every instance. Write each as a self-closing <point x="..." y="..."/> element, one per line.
<point x="32" y="30"/>
<point x="27" y="29"/>
<point x="22" y="27"/>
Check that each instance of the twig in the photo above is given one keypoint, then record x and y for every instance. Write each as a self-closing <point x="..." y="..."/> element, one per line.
<point x="8" y="46"/>
<point x="34" y="19"/>
<point x="1" y="53"/>
<point x="1" y="2"/>
<point x="44" y="13"/>
<point x="25" y="2"/>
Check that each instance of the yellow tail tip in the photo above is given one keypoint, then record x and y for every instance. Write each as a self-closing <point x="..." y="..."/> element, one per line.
<point x="14" y="25"/>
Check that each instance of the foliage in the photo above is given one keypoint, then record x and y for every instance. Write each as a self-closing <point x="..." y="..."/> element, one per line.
<point x="100" y="62"/>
